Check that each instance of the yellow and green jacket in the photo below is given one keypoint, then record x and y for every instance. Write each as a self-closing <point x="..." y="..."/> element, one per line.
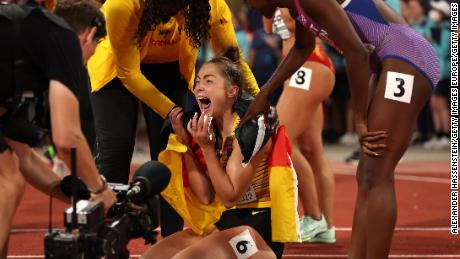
<point x="119" y="56"/>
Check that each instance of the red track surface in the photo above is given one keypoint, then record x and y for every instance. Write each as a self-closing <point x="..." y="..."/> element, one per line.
<point x="423" y="227"/>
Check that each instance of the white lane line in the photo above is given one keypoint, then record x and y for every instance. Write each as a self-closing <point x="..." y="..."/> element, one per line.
<point x="300" y="255"/>
<point x="412" y="178"/>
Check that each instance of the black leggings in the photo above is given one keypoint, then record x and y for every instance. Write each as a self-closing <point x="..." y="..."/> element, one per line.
<point x="115" y="113"/>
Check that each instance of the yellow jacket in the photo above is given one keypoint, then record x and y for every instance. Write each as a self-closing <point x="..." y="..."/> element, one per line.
<point x="119" y="56"/>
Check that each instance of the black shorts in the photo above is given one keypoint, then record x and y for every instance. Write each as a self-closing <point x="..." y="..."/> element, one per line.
<point x="258" y="219"/>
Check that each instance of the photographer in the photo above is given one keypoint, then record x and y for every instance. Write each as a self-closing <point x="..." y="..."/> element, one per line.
<point x="52" y="52"/>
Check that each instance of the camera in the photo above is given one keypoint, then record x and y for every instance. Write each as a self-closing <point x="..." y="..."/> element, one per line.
<point x="91" y="234"/>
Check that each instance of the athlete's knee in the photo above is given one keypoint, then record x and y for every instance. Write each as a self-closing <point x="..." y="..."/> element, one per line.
<point x="373" y="174"/>
<point x="247" y="241"/>
<point x="306" y="150"/>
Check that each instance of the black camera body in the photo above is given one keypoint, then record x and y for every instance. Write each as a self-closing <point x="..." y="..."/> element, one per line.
<point x="98" y="235"/>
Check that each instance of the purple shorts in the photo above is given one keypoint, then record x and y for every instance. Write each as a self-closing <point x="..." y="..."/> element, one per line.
<point x="405" y="43"/>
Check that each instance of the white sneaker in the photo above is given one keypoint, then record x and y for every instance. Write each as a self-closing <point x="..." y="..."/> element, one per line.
<point x="442" y="143"/>
<point x="310" y="227"/>
<point x="431" y="144"/>
<point x="60" y="168"/>
<point x="349" y="139"/>
<point x="327" y="237"/>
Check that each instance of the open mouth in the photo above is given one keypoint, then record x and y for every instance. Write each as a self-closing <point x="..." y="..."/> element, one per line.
<point x="204" y="103"/>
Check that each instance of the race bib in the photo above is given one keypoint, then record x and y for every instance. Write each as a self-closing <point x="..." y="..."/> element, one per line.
<point x="301" y="79"/>
<point x="249" y="196"/>
<point x="243" y="245"/>
<point x="399" y="87"/>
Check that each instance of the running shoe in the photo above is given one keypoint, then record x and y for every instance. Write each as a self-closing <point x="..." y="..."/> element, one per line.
<point x="327" y="237"/>
<point x="310" y="227"/>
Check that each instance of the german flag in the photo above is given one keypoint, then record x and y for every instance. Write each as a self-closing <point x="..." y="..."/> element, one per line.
<point x="283" y="190"/>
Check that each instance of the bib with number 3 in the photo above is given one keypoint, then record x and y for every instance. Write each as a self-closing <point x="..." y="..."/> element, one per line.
<point x="399" y="87"/>
<point x="301" y="79"/>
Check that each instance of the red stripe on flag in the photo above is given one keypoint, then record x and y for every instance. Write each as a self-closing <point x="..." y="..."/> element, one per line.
<point x="281" y="148"/>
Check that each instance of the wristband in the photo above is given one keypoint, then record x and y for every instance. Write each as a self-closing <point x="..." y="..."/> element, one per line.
<point x="102" y="189"/>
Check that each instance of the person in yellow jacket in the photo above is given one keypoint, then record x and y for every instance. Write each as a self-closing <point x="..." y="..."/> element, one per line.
<point x="149" y="55"/>
<point x="227" y="183"/>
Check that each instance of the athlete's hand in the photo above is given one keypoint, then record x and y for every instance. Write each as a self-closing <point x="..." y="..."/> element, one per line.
<point x="368" y="139"/>
<point x="201" y="131"/>
<point x="258" y="106"/>
<point x="175" y="117"/>
<point x="107" y="197"/>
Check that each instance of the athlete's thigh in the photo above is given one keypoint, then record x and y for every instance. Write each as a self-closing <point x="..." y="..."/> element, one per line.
<point x="310" y="140"/>
<point x="242" y="241"/>
<point x="173" y="244"/>
<point x="302" y="94"/>
<point x="400" y="95"/>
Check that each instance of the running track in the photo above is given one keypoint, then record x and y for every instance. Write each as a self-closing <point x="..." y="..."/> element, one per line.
<point x="423" y="227"/>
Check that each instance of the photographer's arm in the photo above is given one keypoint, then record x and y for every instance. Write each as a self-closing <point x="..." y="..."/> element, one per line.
<point x="36" y="171"/>
<point x="66" y="129"/>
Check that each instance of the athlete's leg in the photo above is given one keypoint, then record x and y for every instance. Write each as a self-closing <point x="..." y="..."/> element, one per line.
<point x="36" y="172"/>
<point x="375" y="212"/>
<point x="115" y="116"/>
<point x="217" y="245"/>
<point x="12" y="186"/>
<point x="311" y="145"/>
<point x="171" y="245"/>
<point x="296" y="109"/>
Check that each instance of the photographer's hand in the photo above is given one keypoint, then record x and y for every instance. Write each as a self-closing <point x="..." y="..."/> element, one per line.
<point x="106" y="196"/>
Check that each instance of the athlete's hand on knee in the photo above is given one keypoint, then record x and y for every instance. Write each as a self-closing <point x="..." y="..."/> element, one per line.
<point x="107" y="197"/>
<point x="175" y="117"/>
<point x="258" y="106"/>
<point x="368" y="139"/>
<point x="201" y="130"/>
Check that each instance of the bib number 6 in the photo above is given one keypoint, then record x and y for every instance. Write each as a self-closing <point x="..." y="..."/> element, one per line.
<point x="243" y="245"/>
<point x="399" y="87"/>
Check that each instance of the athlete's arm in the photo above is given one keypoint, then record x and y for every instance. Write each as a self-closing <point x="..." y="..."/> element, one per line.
<point x="330" y="15"/>
<point x="303" y="46"/>
<point x="121" y="28"/>
<point x="198" y="180"/>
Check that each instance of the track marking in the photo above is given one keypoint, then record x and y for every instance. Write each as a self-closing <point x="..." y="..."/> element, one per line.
<point x="413" y="178"/>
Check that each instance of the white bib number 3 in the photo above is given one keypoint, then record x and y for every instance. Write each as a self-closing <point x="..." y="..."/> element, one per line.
<point x="243" y="245"/>
<point x="301" y="79"/>
<point x="399" y="87"/>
